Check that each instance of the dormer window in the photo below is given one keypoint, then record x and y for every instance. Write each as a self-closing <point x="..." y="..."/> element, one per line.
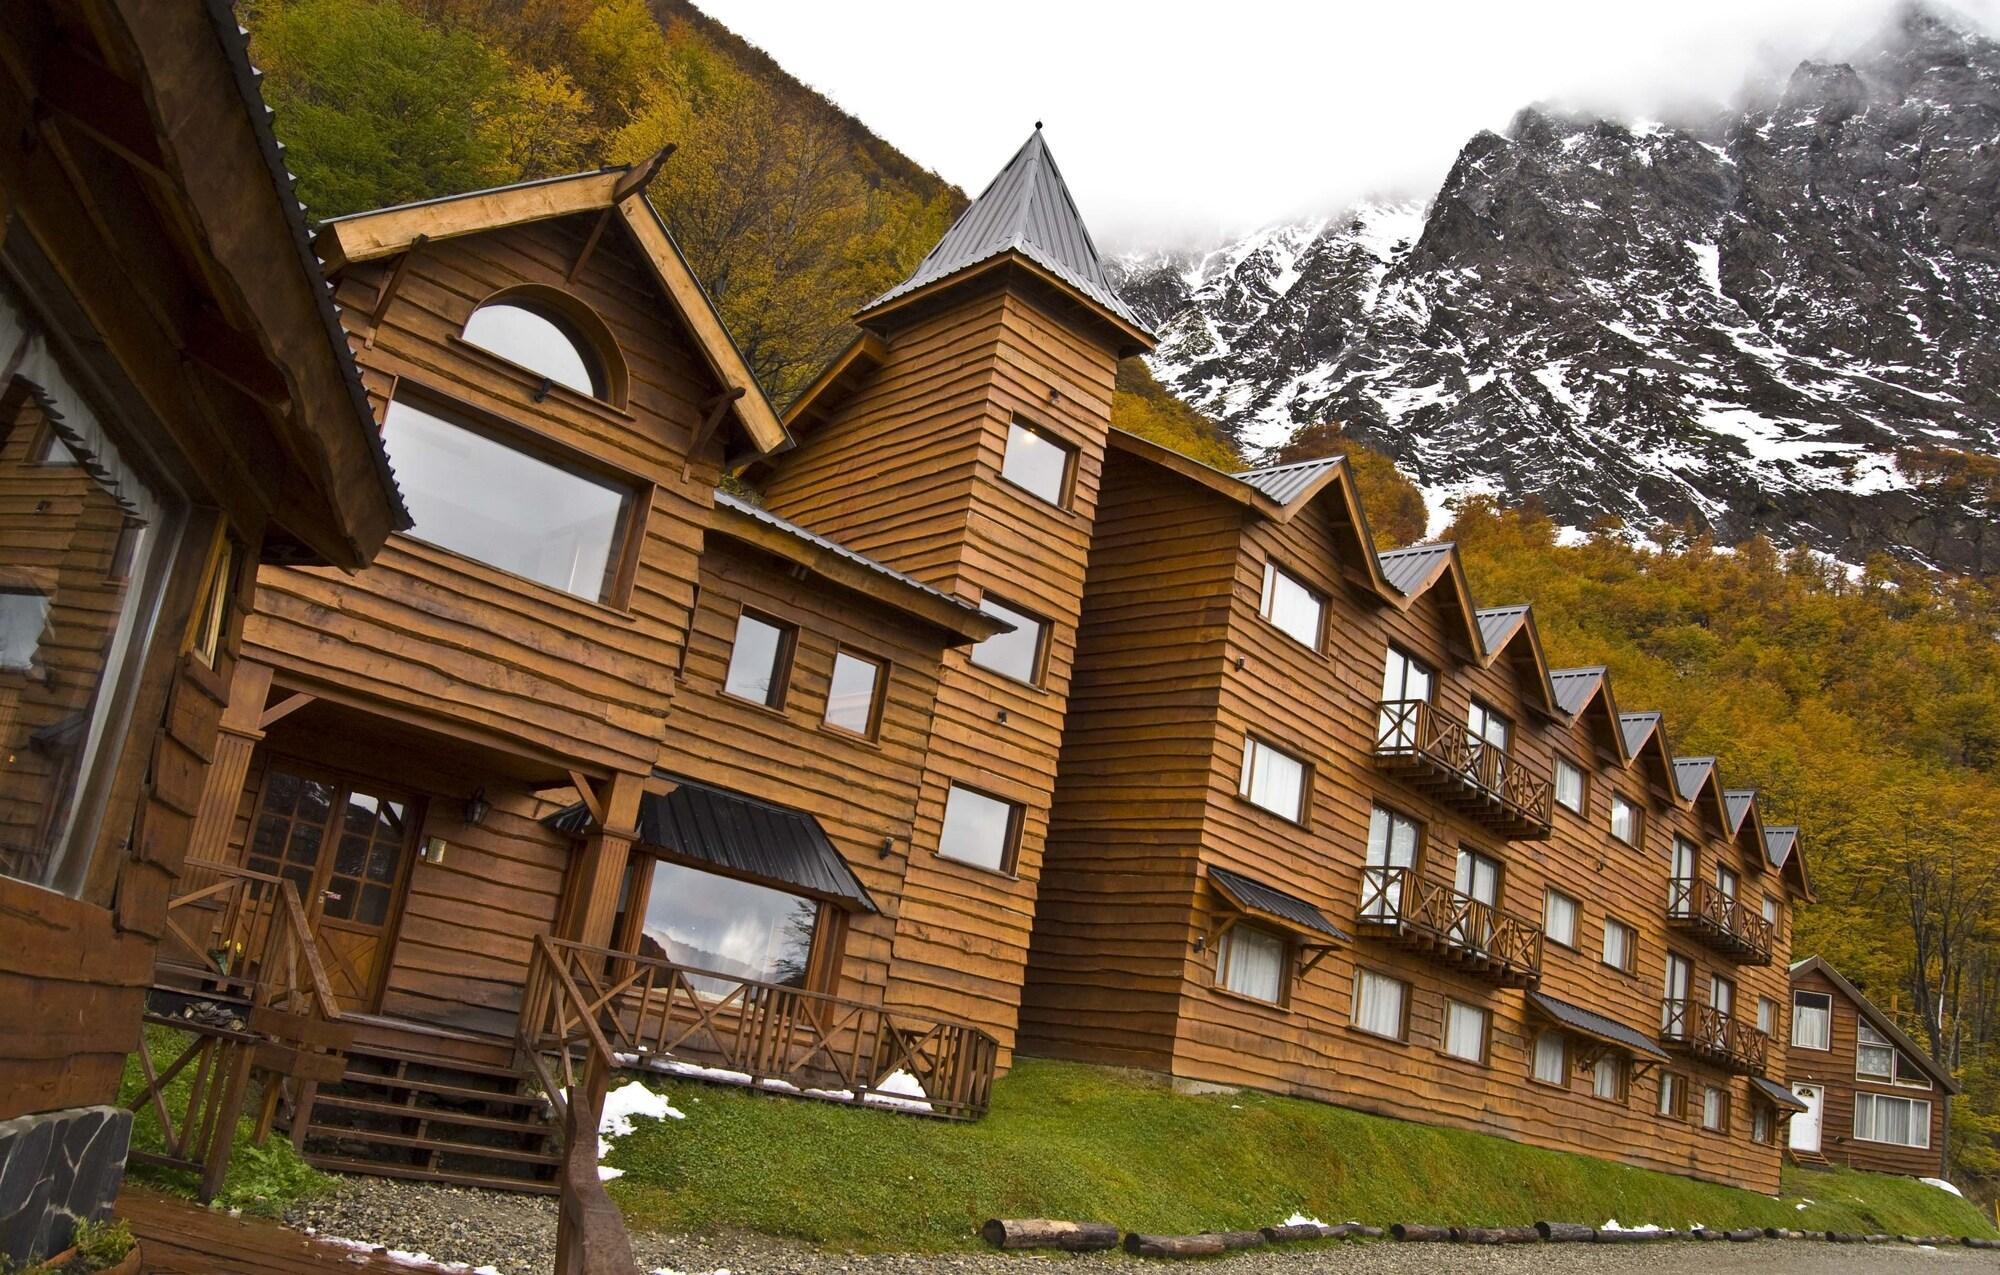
<point x="536" y="338"/>
<point x="1037" y="463"/>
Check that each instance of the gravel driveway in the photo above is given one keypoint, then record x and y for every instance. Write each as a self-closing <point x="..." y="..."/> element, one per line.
<point x="515" y="1234"/>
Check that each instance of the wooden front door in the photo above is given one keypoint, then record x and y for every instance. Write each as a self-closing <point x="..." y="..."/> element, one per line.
<point x="347" y="850"/>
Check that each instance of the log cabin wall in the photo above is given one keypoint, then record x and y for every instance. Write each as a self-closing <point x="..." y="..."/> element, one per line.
<point x="1835" y="1069"/>
<point x="908" y="471"/>
<point x="1322" y="706"/>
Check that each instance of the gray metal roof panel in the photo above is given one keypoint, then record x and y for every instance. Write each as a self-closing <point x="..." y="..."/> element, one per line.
<point x="1689" y="772"/>
<point x="1592" y="1023"/>
<point x="1026" y="208"/>
<point x="1497" y="625"/>
<point x="1283" y="483"/>
<point x="1638" y="728"/>
<point x="1778" y="843"/>
<point x="1737" y="801"/>
<point x="739" y="833"/>
<point x="1575" y="686"/>
<point x="727" y="501"/>
<point x="1263" y="898"/>
<point x="1409" y="567"/>
<point x="1781" y="1097"/>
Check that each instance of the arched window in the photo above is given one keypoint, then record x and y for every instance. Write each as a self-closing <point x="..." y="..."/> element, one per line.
<point x="540" y="340"/>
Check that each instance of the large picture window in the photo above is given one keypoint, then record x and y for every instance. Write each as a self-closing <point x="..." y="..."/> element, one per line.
<point x="737" y="929"/>
<point x="473" y="494"/>
<point x="1902" y="1122"/>
<point x="87" y="546"/>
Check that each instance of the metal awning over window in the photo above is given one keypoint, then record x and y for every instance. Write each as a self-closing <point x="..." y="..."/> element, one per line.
<point x="1777" y="1095"/>
<point x="740" y="835"/>
<point x="1594" y="1026"/>
<point x="1275" y="907"/>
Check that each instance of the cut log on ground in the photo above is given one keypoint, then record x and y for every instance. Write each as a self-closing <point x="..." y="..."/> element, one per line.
<point x="1233" y="1240"/>
<point x="1602" y="1236"/>
<point x="1043" y="1232"/>
<point x="1173" y="1245"/>
<point x="1365" y="1232"/>
<point x="1293" y="1232"/>
<point x="1565" y="1232"/>
<point x="1412" y="1234"/>
<point x="1498" y="1235"/>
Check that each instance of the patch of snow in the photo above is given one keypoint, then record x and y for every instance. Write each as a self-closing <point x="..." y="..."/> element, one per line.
<point x="901" y="1090"/>
<point x="1708" y="260"/>
<point x="1612" y="1225"/>
<point x="1942" y="1185"/>
<point x="1302" y="1219"/>
<point x="621" y="1105"/>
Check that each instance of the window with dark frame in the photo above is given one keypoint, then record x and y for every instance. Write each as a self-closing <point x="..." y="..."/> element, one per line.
<point x="1570" y="786"/>
<point x="1038" y="463"/>
<point x="980" y="830"/>
<point x="1672" y="1098"/>
<point x="854" y="693"/>
<point x="1273" y="779"/>
<point x="1812" y="1020"/>
<point x="1465" y="1031"/>
<point x="1488" y="725"/>
<point x="218" y="594"/>
<point x="1715" y="1109"/>
<point x="1292" y="607"/>
<point x="1381" y="1005"/>
<point x="535" y="337"/>
<point x="24" y="616"/>
<point x="760" y="659"/>
<point x="1549" y="1063"/>
<point x="730" y="927"/>
<point x="1253" y="961"/>
<point x="1560" y="914"/>
<point x="1607" y="1077"/>
<point x="1405" y="680"/>
<point x="1627" y="820"/>
<point x="1018" y="653"/>
<point x="1621" y="946"/>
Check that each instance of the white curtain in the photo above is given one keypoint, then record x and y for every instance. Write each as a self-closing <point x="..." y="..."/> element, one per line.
<point x="1273" y="780"/>
<point x="1465" y="1031"/>
<point x="1253" y="963"/>
<point x="1551" y="1059"/>
<point x="1617" y="945"/>
<point x="1905" y="1122"/>
<point x="1559" y="919"/>
<point x="1812" y="1024"/>
<point x="1712" y="1100"/>
<point x="1378" y="1004"/>
<point x="1608" y="1077"/>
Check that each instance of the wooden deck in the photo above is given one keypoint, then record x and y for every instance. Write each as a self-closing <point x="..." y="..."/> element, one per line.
<point x="178" y="1237"/>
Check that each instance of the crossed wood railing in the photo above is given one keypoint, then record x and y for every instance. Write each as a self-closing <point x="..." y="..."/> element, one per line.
<point x="1720" y="920"/>
<point x="238" y="951"/>
<point x="1719" y="1037"/>
<point x="1452" y="927"/>
<point x="1474" y="774"/>
<point x="650" y="1013"/>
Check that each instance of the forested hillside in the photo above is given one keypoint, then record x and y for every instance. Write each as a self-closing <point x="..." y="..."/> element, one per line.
<point x="1867" y="709"/>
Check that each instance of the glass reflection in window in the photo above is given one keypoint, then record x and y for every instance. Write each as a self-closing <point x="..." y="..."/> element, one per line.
<point x="538" y="342"/>
<point x="733" y="928"/>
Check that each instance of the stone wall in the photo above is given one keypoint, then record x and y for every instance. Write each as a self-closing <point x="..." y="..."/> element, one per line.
<point x="58" y="1168"/>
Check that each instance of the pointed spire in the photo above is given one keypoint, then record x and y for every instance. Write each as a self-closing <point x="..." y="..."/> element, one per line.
<point x="1027" y="209"/>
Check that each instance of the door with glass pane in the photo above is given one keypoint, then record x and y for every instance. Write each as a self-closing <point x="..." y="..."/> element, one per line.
<point x="1406" y="684"/>
<point x="1479" y="882"/>
<point x="1674" y="1009"/>
<point x="346" y="850"/>
<point x="1392" y="851"/>
<point x="1680" y="891"/>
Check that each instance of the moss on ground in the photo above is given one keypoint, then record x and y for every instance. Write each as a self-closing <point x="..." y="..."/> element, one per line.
<point x="1064" y="1140"/>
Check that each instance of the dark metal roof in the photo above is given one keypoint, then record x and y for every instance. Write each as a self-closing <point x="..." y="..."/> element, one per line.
<point x="1779" y="1096"/>
<point x="1408" y="568"/>
<point x="1689" y="772"/>
<point x="1737" y="801"/>
<point x="1255" y="896"/>
<point x="741" y="834"/>
<point x="1027" y="208"/>
<point x="1590" y="1023"/>
<point x="1497" y="625"/>
<point x="1575" y="686"/>
<point x="1638" y="728"/>
<point x="1283" y="483"/>
<point x="1778" y="843"/>
<point x="728" y="501"/>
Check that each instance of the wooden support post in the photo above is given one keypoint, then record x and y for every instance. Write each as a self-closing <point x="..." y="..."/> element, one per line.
<point x="222" y="786"/>
<point x="235" y="1080"/>
<point x="590" y="1232"/>
<point x="599" y="871"/>
<point x="390" y="287"/>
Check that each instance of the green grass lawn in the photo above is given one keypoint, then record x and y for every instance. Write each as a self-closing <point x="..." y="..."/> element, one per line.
<point x="1070" y="1141"/>
<point x="262" y="1180"/>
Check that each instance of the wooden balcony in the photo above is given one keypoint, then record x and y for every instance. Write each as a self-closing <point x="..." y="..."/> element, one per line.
<point x="1713" y="1036"/>
<point x="642" y="1013"/>
<point x="1450" y="928"/>
<point x="1440" y="756"/>
<point x="1724" y="923"/>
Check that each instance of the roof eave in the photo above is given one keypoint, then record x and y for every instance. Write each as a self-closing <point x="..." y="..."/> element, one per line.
<point x="1130" y="338"/>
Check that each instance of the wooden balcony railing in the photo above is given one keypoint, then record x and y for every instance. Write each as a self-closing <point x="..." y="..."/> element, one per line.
<point x="1712" y="1035"/>
<point x="652" y="1014"/>
<point x="1719" y="920"/>
<point x="1451" y="928"/>
<point x="1441" y="756"/>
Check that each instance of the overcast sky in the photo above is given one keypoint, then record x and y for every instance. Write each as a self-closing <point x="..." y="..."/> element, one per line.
<point x="1177" y="121"/>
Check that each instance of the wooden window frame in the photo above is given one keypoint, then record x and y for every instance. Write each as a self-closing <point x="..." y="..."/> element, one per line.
<point x="877" y="699"/>
<point x="1287" y="973"/>
<point x="1766" y="1115"/>
<point x="1499" y="873"/>
<point x="829" y="941"/>
<point x="1010" y="854"/>
<point x="1265" y="590"/>
<point x="782" y="661"/>
<point x="1534" y="1045"/>
<point x="1070" y="453"/>
<point x="1638" y="809"/>
<point x="1044" y="639"/>
<point x="210" y="624"/>
<point x="1631" y="967"/>
<point x="1777" y="1015"/>
<point x="1576" y="917"/>
<point x="1676" y="1110"/>
<point x="577" y="320"/>
<point x="1491" y="715"/>
<point x="1397" y="648"/>
<point x="1930" y="1111"/>
<point x="1304" y="817"/>
<point x="1721" y="1127"/>
<point x="1402" y="1036"/>
<point x="1623" y="1097"/>
<point x="1792" y="1035"/>
<point x="1485" y="1058"/>
<point x="1582" y="808"/>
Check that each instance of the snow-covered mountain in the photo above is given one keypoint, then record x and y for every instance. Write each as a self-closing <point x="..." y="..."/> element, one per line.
<point x="1785" y="319"/>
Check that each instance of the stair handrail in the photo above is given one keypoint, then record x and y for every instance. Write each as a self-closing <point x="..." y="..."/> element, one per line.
<point x="551" y="1005"/>
<point x="261" y="913"/>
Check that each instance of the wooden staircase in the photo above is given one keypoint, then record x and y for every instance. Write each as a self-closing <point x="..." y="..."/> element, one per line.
<point x="404" y="1113"/>
<point x="1808" y="1159"/>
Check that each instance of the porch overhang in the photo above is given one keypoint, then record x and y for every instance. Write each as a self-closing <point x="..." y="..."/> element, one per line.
<point x="1777" y="1095"/>
<point x="1253" y="899"/>
<point x="1597" y="1028"/>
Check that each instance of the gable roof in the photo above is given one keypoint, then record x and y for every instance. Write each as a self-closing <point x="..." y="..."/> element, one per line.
<point x="1286" y="483"/>
<point x="1880" y="1021"/>
<point x="1411" y="568"/>
<point x="618" y="192"/>
<point x="1497" y="626"/>
<point x="1026" y="210"/>
<point x="1781" y="846"/>
<point x="1690" y="773"/>
<point x="1638" y="728"/>
<point x="1739" y="802"/>
<point x="1575" y="687"/>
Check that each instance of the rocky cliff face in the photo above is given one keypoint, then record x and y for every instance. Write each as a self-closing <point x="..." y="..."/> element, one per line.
<point x="1784" y="320"/>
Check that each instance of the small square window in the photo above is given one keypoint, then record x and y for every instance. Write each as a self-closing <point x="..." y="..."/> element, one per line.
<point x="1559" y="913"/>
<point x="1293" y="608"/>
<point x="854" y="695"/>
<point x="1621" y="945"/>
<point x="979" y="829"/>
<point x="1018" y="653"/>
<point x="760" y="660"/>
<point x="1273" y="779"/>
<point x="1569" y="785"/>
<point x="1380" y="1003"/>
<point x="1607" y="1078"/>
<point x="1036" y="463"/>
<point x="1465" y="1031"/>
<point x="1551" y="1060"/>
<point x="1251" y="962"/>
<point x="1625" y="820"/>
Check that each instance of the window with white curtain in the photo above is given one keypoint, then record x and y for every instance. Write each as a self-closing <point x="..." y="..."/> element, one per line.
<point x="1379" y="1002"/>
<point x="1290" y="606"/>
<point x="1273" y="779"/>
<point x="1551" y="1065"/>
<point x="1760" y="1124"/>
<point x="1488" y="725"/>
<point x="1607" y="1078"/>
<point x="1465" y="1031"/>
<point x="1621" y="945"/>
<point x="1392" y="843"/>
<point x="1812" y="1020"/>
<point x="1715" y="1109"/>
<point x="1770" y="908"/>
<point x="1624" y="820"/>
<point x="1251" y="963"/>
<point x="1767" y="1015"/>
<point x="1406" y="681"/>
<point x="1569" y="785"/>
<point x="1673" y="1093"/>
<point x="1874" y="1053"/>
<point x="1559" y="918"/>
<point x="1902" y="1122"/>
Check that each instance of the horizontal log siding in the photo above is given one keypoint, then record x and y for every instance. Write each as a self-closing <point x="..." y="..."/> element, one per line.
<point x="1322" y="706"/>
<point x="1834" y="1068"/>
<point x="1114" y="921"/>
<point x="450" y="643"/>
<point x="908" y="471"/>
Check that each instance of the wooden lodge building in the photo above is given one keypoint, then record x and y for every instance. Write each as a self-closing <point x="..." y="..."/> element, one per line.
<point x="966" y="724"/>
<point x="1874" y="1098"/>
